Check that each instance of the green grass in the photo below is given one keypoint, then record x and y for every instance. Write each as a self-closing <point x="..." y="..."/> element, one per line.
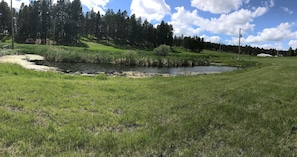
<point x="100" y="47"/>
<point x="250" y="112"/>
<point x="99" y="53"/>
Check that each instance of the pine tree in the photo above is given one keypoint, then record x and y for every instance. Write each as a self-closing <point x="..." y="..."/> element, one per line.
<point x="44" y="20"/>
<point x="23" y="24"/>
<point x="34" y="22"/>
<point x="5" y="18"/>
<point x="165" y="34"/>
<point x="132" y="30"/>
<point x="290" y="52"/>
<point x="98" y="23"/>
<point x="73" y="23"/>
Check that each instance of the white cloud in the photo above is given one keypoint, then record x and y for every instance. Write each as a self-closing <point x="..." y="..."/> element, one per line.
<point x="287" y="10"/>
<point x="259" y="11"/>
<point x="234" y="41"/>
<point x="217" y="6"/>
<point x="187" y="31"/>
<point x="279" y="33"/>
<point x="270" y="38"/>
<point x="227" y="24"/>
<point x="150" y="9"/>
<point x="277" y="46"/>
<point x="185" y="26"/>
<point x="96" y="5"/>
<point x="232" y="17"/>
<point x="293" y="44"/>
<point x="265" y="45"/>
<point x="213" y="39"/>
<point x="16" y="4"/>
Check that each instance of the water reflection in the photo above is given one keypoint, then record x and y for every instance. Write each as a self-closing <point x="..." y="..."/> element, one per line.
<point x="89" y="68"/>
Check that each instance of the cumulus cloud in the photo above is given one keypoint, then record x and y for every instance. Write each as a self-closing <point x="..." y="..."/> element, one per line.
<point x="293" y="44"/>
<point x="232" y="17"/>
<point x="150" y="9"/>
<point x="266" y="45"/>
<point x="213" y="39"/>
<point x="234" y="41"/>
<point x="227" y="24"/>
<point x="96" y="5"/>
<point x="274" y="37"/>
<point x="217" y="6"/>
<point x="279" y="33"/>
<point x="277" y="46"/>
<point x="186" y="26"/>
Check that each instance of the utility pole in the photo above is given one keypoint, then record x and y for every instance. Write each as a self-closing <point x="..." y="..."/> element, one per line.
<point x="12" y="30"/>
<point x="239" y="43"/>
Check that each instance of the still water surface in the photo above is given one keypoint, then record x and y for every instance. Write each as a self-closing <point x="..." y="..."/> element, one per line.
<point x="89" y="68"/>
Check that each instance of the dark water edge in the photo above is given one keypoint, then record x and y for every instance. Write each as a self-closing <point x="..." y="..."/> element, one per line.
<point x="90" y="68"/>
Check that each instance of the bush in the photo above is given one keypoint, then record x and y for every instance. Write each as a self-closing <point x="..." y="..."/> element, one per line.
<point x="162" y="50"/>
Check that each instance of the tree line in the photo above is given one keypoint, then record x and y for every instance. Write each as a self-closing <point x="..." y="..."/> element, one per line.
<point x="248" y="50"/>
<point x="190" y="43"/>
<point x="64" y="23"/>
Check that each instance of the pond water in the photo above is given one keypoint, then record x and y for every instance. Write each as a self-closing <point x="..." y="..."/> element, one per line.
<point x="89" y="68"/>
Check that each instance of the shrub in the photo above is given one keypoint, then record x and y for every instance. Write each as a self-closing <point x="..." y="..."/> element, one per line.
<point x="162" y="50"/>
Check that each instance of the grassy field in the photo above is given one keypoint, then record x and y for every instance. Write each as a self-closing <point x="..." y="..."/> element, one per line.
<point x="250" y="112"/>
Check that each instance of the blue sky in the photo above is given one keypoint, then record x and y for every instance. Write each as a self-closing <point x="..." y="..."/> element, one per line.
<point x="264" y="23"/>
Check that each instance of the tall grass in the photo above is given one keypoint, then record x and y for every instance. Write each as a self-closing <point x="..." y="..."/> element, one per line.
<point x="4" y="52"/>
<point x="98" y="53"/>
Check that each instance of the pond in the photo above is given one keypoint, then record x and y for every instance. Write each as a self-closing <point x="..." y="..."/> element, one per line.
<point x="89" y="68"/>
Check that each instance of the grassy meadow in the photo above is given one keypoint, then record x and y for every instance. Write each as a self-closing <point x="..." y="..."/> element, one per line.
<point x="249" y="112"/>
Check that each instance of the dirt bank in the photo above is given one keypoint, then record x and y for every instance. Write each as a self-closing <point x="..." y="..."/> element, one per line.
<point x="26" y="62"/>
